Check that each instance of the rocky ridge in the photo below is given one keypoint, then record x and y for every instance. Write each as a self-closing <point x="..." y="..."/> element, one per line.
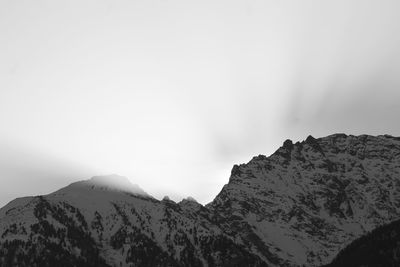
<point x="298" y="207"/>
<point x="308" y="200"/>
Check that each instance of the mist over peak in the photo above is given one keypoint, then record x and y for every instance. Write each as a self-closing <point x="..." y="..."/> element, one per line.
<point x="112" y="182"/>
<point x="111" y="179"/>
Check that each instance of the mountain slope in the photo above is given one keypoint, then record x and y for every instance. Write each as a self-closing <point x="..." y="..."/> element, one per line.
<point x="298" y="207"/>
<point x="305" y="202"/>
<point x="95" y="223"/>
<point x="379" y="248"/>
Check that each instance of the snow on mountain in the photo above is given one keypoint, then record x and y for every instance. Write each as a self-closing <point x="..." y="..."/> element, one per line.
<point x="305" y="202"/>
<point x="112" y="182"/>
<point x="297" y="207"/>
<point x="96" y="223"/>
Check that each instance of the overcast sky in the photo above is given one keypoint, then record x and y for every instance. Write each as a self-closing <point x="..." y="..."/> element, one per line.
<point x="172" y="93"/>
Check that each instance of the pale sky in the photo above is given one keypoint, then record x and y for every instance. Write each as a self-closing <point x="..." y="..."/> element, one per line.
<point x="172" y="93"/>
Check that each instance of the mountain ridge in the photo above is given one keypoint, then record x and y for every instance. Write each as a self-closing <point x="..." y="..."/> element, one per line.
<point x="299" y="206"/>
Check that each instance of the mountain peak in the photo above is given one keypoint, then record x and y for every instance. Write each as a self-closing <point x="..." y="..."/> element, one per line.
<point x="288" y="143"/>
<point x="311" y="139"/>
<point x="111" y="179"/>
<point x="111" y="183"/>
<point x="190" y="199"/>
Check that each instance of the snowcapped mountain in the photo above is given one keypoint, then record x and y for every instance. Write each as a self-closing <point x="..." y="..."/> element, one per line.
<point x="298" y="207"/>
<point x="101" y="223"/>
<point x="308" y="200"/>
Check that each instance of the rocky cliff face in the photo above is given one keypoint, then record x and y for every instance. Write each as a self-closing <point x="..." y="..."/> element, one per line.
<point x="297" y="207"/>
<point x="305" y="202"/>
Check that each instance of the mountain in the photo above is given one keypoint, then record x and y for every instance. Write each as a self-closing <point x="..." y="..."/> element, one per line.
<point x="379" y="248"/>
<point x="106" y="221"/>
<point x="308" y="200"/>
<point x="298" y="207"/>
